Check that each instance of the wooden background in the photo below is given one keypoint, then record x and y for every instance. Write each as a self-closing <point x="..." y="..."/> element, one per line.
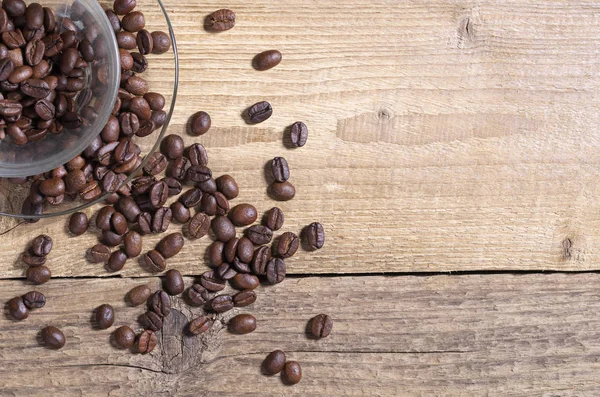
<point x="445" y="136"/>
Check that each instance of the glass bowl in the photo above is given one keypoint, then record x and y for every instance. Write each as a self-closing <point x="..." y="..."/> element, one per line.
<point x="162" y="75"/>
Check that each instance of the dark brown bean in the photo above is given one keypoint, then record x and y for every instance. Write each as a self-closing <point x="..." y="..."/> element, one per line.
<point x="298" y="134"/>
<point x="287" y="245"/>
<point x="244" y="298"/>
<point x="191" y="198"/>
<point x="222" y="228"/>
<point x="116" y="261"/>
<point x="147" y="341"/>
<point x="34" y="300"/>
<point x="154" y="262"/>
<point x="123" y="7"/>
<point x="99" y="253"/>
<point x="245" y="250"/>
<point x="17" y="308"/>
<point x="282" y="191"/>
<point x="292" y="373"/>
<point x="162" y="42"/>
<point x="173" y="282"/>
<point x="280" y="169"/>
<point x="274" y="219"/>
<point x="74" y="181"/>
<point x="228" y="186"/>
<point x="174" y="185"/>
<point x="172" y="146"/>
<point x="259" y="112"/>
<point x="314" y="235"/>
<point x="38" y="275"/>
<point x="133" y="21"/>
<point x="275" y="271"/>
<point x="261" y="258"/>
<point x="242" y="324"/>
<point x="320" y="326"/>
<point x="170" y="245"/>
<point x="211" y="281"/>
<point x="126" y="40"/>
<point x="124" y="337"/>
<point x="267" y="60"/>
<point x="41" y="245"/>
<point x="243" y="214"/>
<point x="199" y="225"/>
<point x="274" y="363"/>
<point x="145" y="43"/>
<point x="200" y="325"/>
<point x="242" y="281"/>
<point x="197" y="295"/>
<point x="180" y="213"/>
<point x="105" y="316"/>
<point x="160" y="303"/>
<point x="200" y="123"/>
<point x="53" y="337"/>
<point x="52" y="187"/>
<point x="215" y="253"/>
<point x="221" y="304"/>
<point x="151" y="321"/>
<point x="259" y="234"/>
<point x="222" y="20"/>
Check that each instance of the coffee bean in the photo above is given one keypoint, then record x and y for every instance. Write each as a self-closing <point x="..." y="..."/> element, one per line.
<point x="208" y="204"/>
<point x="132" y="244"/>
<point x="244" y="298"/>
<point x="99" y="253"/>
<point x="198" y="226"/>
<point x="116" y="261"/>
<point x="242" y="324"/>
<point x="153" y="261"/>
<point x="200" y="325"/>
<point x="321" y="325"/>
<point x="230" y="250"/>
<point x="211" y="281"/>
<point x="52" y="187"/>
<point x="173" y="282"/>
<point x="129" y="208"/>
<point x="245" y="250"/>
<point x="170" y="245"/>
<point x="221" y="304"/>
<point x="198" y="173"/>
<point x="42" y="245"/>
<point x="10" y="108"/>
<point x="38" y="275"/>
<point x="191" y="198"/>
<point x="225" y="271"/>
<point x="222" y="228"/>
<point x="222" y="20"/>
<point x="259" y="234"/>
<point x="137" y="86"/>
<point x="6" y="68"/>
<point x="118" y="223"/>
<point x="111" y="239"/>
<point x="162" y="42"/>
<point x="34" y="300"/>
<point x="145" y="43"/>
<point x="133" y="21"/>
<point x="126" y="40"/>
<point x="147" y="341"/>
<point x="124" y="337"/>
<point x="298" y="134"/>
<point x="199" y="123"/>
<point x="215" y="253"/>
<point x="243" y="215"/>
<point x="151" y="321"/>
<point x="123" y="7"/>
<point x="273" y="363"/>
<point x="144" y="221"/>
<point x="292" y="373"/>
<point x="157" y="102"/>
<point x="240" y="266"/>
<point x="243" y="281"/>
<point x="280" y="169"/>
<point x="180" y="213"/>
<point x="161" y="220"/>
<point x="274" y="219"/>
<point x="267" y="60"/>
<point x="104" y="316"/>
<point x="287" y="245"/>
<point x="172" y="146"/>
<point x="197" y="295"/>
<point x="261" y="258"/>
<point x="142" y="184"/>
<point x="17" y="309"/>
<point x="173" y="184"/>
<point x="209" y="186"/>
<point x="34" y="52"/>
<point x="140" y="107"/>
<point x="158" y="194"/>
<point x="13" y="39"/>
<point x="275" y="271"/>
<point x="160" y="303"/>
<point x="14" y="8"/>
<point x="222" y="204"/>
<point x="103" y="218"/>
<point x="259" y="112"/>
<point x="177" y="168"/>
<point x="53" y="337"/>
<point x="314" y="235"/>
<point x="282" y="191"/>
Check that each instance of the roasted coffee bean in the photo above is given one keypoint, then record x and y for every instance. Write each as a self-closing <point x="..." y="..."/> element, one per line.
<point x="191" y="198"/>
<point x="274" y="219"/>
<point x="178" y="167"/>
<point x="282" y="191"/>
<point x="162" y="42"/>
<point x="225" y="272"/>
<point x="173" y="282"/>
<point x="129" y="123"/>
<point x="274" y="363"/>
<point x="174" y="186"/>
<point x="180" y="212"/>
<point x="123" y="7"/>
<point x="124" y="337"/>
<point x="320" y="326"/>
<point x="34" y="16"/>
<point x="222" y="228"/>
<point x="129" y="208"/>
<point x="172" y="146"/>
<point x="34" y="52"/>
<point x="133" y="21"/>
<point x="16" y="134"/>
<point x="104" y="316"/>
<point x="17" y="309"/>
<point x="259" y="234"/>
<point x="292" y="373"/>
<point x="158" y="194"/>
<point x="222" y="20"/>
<point x="245" y="250"/>
<point x="314" y="235"/>
<point x="118" y="223"/>
<point x="146" y="341"/>
<point x="170" y="245"/>
<point x="151" y="321"/>
<point x="52" y="187"/>
<point x="240" y="266"/>
<point x="13" y="39"/>
<point x="222" y="204"/>
<point x="116" y="261"/>
<point x="197" y="155"/>
<point x="287" y="245"/>
<point x="53" y="337"/>
<point x="34" y="300"/>
<point x="110" y="132"/>
<point x="259" y="112"/>
<point x="124" y="151"/>
<point x="199" y="123"/>
<point x="200" y="325"/>
<point x="103" y="218"/>
<point x="126" y="40"/>
<point x="99" y="253"/>
<point x="87" y="50"/>
<point x="140" y="107"/>
<point x="38" y="274"/>
<point x="138" y="295"/>
<point x="211" y="281"/>
<point x="243" y="215"/>
<point x="221" y="304"/>
<point x="10" y="108"/>
<point x="153" y="261"/>
<point x="198" y="226"/>
<point x="215" y="253"/>
<point x="280" y="169"/>
<point x="244" y="298"/>
<point x="230" y="250"/>
<point x="298" y="134"/>
<point x="160" y="303"/>
<point x="137" y="85"/>
<point x="161" y="220"/>
<point x="6" y="68"/>
<point x="110" y="182"/>
<point x="111" y="238"/>
<point x="242" y="281"/>
<point x="37" y="88"/>
<point x="267" y="60"/>
<point x="242" y="324"/>
<point x="140" y="65"/>
<point x="209" y="186"/>
<point x="208" y="204"/>
<point x="144" y="221"/>
<point x="275" y="271"/>
<point x="142" y="184"/>
<point x="228" y="186"/>
<point x="68" y="60"/>
<point x="42" y="245"/>
<point x="14" y="8"/>
<point x="197" y="173"/>
<point x="44" y="109"/>
<point x="145" y="43"/>
<point x="90" y="191"/>
<point x="261" y="258"/>
<point x="197" y="295"/>
<point x="157" y="102"/>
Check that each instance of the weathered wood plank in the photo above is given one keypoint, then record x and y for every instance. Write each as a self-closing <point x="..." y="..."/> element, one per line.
<point x="393" y="336"/>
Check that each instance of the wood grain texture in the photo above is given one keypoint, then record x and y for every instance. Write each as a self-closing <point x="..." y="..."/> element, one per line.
<point x="501" y="335"/>
<point x="444" y="135"/>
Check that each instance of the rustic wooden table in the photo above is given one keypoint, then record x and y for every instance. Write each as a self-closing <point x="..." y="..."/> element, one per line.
<point x="453" y="159"/>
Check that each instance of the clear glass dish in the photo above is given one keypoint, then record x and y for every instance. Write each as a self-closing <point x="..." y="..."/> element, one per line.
<point x="162" y="75"/>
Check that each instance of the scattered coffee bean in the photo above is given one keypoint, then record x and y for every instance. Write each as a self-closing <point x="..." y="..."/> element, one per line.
<point x="138" y="295"/>
<point x="17" y="309"/>
<point x="215" y="253"/>
<point x="53" y="337"/>
<point x="161" y="220"/>
<point x="147" y="341"/>
<point x="105" y="316"/>
<point x="197" y="155"/>
<point x="191" y="198"/>
<point x="116" y="261"/>
<point x="173" y="282"/>
<point x="212" y="282"/>
<point x="200" y="325"/>
<point x="274" y="363"/>
<point x="259" y="112"/>
<point x="298" y="134"/>
<point x="259" y="234"/>
<point x="132" y="244"/>
<point x="180" y="213"/>
<point x="172" y="146"/>
<point x="244" y="298"/>
<point x="199" y="225"/>
<point x="33" y="260"/>
<point x="78" y="223"/>
<point x="111" y="239"/>
<point x="170" y="246"/>
<point x="209" y="186"/>
<point x="292" y="373"/>
<point x="103" y="217"/>
<point x="34" y="300"/>
<point x="243" y="215"/>
<point x="315" y="235"/>
<point x="222" y="228"/>
<point x="197" y="295"/>
<point x="199" y="123"/>
<point x="225" y="271"/>
<point x="221" y="303"/>
<point x="133" y="21"/>
<point x="242" y="324"/>
<point x="222" y="20"/>
<point x="124" y="337"/>
<point x="38" y="275"/>
<point x="42" y="245"/>
<point x="245" y="250"/>
<point x="321" y="325"/>
<point x="280" y="169"/>
<point x="243" y="281"/>
<point x="228" y="186"/>
<point x="274" y="219"/>
<point x="275" y="271"/>
<point x="153" y="261"/>
<point x="282" y="191"/>
<point x="267" y="60"/>
<point x="162" y="42"/>
<point x="287" y="245"/>
<point x="151" y="321"/>
<point x="261" y="258"/>
<point x="160" y="303"/>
